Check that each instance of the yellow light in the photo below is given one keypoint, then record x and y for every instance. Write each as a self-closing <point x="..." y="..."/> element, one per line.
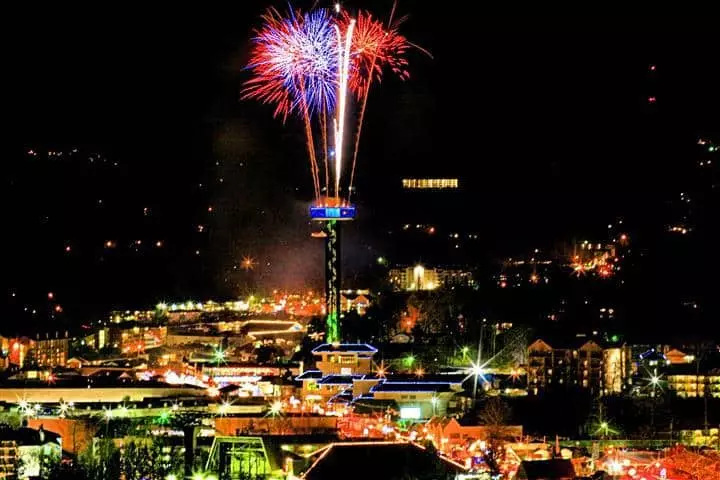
<point x="276" y="408"/>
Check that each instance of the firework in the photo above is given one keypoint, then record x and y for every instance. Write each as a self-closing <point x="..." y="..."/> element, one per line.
<point x="293" y="61"/>
<point x="311" y="65"/>
<point x="375" y="49"/>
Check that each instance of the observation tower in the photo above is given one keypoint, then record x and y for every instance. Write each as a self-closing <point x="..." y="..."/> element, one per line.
<point x="332" y="211"/>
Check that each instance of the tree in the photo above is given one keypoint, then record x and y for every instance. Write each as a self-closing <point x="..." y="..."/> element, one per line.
<point x="495" y="415"/>
<point x="100" y="461"/>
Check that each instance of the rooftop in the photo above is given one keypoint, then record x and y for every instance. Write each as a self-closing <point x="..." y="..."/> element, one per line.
<point x="411" y="387"/>
<point x="556" y="468"/>
<point x="338" y="379"/>
<point x="308" y="374"/>
<point x="360" y="460"/>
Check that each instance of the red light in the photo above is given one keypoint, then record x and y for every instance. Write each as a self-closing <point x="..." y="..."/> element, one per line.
<point x="652" y="99"/>
<point x="653" y="68"/>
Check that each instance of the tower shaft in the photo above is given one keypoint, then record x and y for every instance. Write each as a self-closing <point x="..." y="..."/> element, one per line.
<point x="332" y="281"/>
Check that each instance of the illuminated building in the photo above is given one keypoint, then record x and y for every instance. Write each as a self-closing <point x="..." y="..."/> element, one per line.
<point x="616" y="368"/>
<point x="18" y="350"/>
<point x="688" y="381"/>
<point x="460" y="435"/>
<point x="78" y="392"/>
<point x="430" y="183"/>
<point x="344" y="359"/>
<point x="51" y="352"/>
<point x="419" y="400"/>
<point x="25" y="452"/>
<point x="357" y="300"/>
<point x="419" y="277"/>
<point x="140" y="339"/>
<point x="324" y="388"/>
<point x="141" y="316"/>
<point x="593" y="257"/>
<point x="253" y="380"/>
<point x="98" y="339"/>
<point x="550" y="366"/>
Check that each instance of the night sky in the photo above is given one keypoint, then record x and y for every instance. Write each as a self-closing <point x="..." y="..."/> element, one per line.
<point x="545" y="120"/>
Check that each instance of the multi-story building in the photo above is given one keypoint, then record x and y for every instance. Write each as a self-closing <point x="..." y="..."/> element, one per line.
<point x="28" y="453"/>
<point x="563" y="365"/>
<point x="430" y="183"/>
<point x="617" y="372"/>
<point x="689" y="381"/>
<point x="425" y="278"/>
<point x="51" y="352"/>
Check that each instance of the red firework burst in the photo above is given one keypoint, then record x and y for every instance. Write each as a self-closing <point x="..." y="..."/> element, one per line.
<point x="268" y="84"/>
<point x="375" y="48"/>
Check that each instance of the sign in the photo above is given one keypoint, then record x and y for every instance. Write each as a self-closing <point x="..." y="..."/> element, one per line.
<point x="332" y="213"/>
<point x="410" y="412"/>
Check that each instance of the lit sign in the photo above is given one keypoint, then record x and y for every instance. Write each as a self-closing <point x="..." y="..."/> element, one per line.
<point x="332" y="213"/>
<point x="410" y="412"/>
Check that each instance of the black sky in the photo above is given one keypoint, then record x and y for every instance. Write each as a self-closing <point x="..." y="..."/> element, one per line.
<point x="544" y="119"/>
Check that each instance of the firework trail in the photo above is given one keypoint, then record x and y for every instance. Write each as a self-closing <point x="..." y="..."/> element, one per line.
<point x="375" y="48"/>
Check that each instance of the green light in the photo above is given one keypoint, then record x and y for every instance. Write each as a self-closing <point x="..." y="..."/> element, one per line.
<point x="381" y="260"/>
<point x="171" y="476"/>
<point x="614" y="338"/>
<point x="333" y="328"/>
<point x="164" y="418"/>
<point x="219" y="355"/>
<point x="409" y="360"/>
<point x="465" y="350"/>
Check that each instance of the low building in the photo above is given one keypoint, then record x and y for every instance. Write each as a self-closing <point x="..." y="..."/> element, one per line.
<point x="449" y="431"/>
<point x="420" y="400"/>
<point x="344" y="358"/>
<point x="82" y="391"/>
